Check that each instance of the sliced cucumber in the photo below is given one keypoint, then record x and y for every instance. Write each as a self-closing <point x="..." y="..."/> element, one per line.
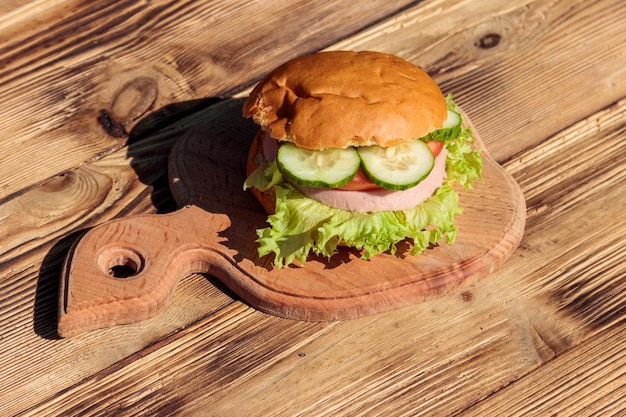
<point x="328" y="168"/>
<point x="451" y="128"/>
<point x="397" y="167"/>
<point x="453" y="120"/>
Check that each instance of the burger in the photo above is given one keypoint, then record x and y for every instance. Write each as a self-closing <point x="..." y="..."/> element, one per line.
<point x="355" y="149"/>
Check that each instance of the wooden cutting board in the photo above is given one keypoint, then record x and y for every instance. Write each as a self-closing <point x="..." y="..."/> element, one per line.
<point x="126" y="270"/>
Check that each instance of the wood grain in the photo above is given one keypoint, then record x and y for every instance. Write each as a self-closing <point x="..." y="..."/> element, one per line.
<point x="105" y="57"/>
<point x="567" y="385"/>
<point x="552" y="316"/>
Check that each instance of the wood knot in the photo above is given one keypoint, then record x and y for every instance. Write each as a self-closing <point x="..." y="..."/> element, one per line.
<point x="129" y="103"/>
<point x="72" y="192"/>
<point x="488" y="41"/>
<point x="466" y="296"/>
<point x="59" y="183"/>
<point x="133" y="99"/>
<point x="112" y="127"/>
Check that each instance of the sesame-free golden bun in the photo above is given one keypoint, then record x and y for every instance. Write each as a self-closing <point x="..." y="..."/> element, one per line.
<point x="338" y="99"/>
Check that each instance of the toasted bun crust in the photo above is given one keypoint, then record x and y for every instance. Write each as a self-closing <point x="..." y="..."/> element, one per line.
<point x="255" y="160"/>
<point x="339" y="99"/>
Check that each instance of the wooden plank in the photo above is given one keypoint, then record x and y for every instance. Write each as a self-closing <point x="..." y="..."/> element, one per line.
<point x="130" y="59"/>
<point x="587" y="380"/>
<point x="242" y="372"/>
<point x="556" y="292"/>
<point x="581" y="278"/>
<point x="438" y="357"/>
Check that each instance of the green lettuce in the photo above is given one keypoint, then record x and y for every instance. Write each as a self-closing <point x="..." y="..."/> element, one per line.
<point x="301" y="226"/>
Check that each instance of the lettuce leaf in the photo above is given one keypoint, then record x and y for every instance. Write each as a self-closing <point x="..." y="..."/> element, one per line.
<point x="463" y="163"/>
<point x="301" y="226"/>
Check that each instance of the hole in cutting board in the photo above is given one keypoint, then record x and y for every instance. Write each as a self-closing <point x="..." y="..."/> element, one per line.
<point x="120" y="262"/>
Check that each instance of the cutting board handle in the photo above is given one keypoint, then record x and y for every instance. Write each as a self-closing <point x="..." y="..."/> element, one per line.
<point x="127" y="270"/>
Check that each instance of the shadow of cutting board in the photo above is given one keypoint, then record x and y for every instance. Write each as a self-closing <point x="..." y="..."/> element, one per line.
<point x="126" y="270"/>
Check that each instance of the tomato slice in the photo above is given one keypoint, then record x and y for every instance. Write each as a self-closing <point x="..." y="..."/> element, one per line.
<point x="435" y="147"/>
<point x="359" y="183"/>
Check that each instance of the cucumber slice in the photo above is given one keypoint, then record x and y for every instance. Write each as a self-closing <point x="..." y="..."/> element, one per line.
<point x="328" y="168"/>
<point x="453" y="120"/>
<point x="397" y="167"/>
<point x="451" y="128"/>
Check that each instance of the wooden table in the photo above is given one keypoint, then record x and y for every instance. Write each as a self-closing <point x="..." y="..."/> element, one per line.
<point x="544" y="82"/>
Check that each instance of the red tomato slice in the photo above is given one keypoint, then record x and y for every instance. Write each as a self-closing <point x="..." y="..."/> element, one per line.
<point x="359" y="183"/>
<point x="435" y="147"/>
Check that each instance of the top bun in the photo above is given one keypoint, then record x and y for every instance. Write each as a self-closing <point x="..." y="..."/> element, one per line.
<point x="339" y="99"/>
